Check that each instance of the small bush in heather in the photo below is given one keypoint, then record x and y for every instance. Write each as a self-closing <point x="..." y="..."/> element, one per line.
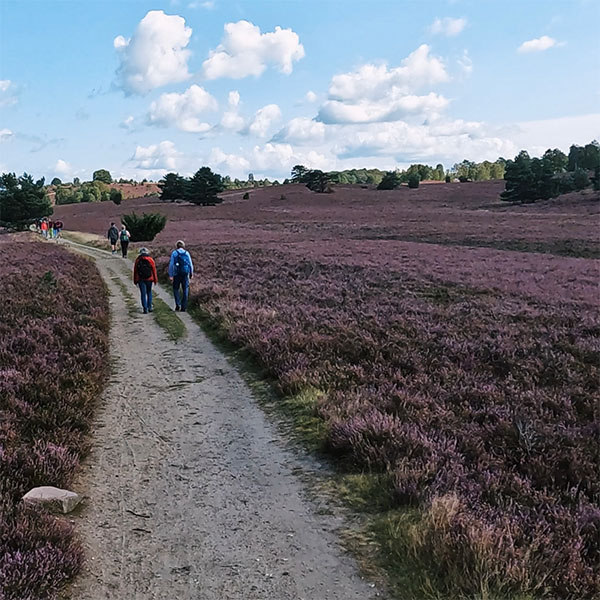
<point x="391" y="180"/>
<point x="413" y="181"/>
<point x="246" y="196"/>
<point x="145" y="227"/>
<point x="116" y="196"/>
<point x="447" y="179"/>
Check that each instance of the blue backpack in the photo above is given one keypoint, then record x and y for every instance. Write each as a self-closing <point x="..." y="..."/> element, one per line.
<point x="182" y="265"/>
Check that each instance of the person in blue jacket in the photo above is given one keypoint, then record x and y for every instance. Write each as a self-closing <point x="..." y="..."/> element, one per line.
<point x="181" y="270"/>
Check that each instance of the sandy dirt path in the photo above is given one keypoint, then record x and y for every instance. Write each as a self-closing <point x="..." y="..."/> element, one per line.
<point x="191" y="491"/>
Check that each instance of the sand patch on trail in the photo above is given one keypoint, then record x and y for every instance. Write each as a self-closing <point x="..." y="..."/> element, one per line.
<point x="191" y="490"/>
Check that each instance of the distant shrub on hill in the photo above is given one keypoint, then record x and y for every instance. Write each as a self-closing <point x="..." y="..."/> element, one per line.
<point x="413" y="181"/>
<point x="116" y="196"/>
<point x="317" y="181"/>
<point x="390" y="181"/>
<point x="145" y="227"/>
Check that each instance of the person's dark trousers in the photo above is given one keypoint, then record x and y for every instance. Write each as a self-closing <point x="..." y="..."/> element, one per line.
<point x="146" y="294"/>
<point x="181" y="286"/>
<point x="124" y="246"/>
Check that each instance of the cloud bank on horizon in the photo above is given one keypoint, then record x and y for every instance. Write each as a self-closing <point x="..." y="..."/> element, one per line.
<point x="245" y="102"/>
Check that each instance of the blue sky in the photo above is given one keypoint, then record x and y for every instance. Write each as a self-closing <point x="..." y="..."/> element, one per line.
<point x="144" y="88"/>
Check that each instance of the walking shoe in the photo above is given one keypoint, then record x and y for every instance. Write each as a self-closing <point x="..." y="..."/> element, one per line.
<point x="178" y="308"/>
<point x="151" y="309"/>
<point x="182" y="309"/>
<point x="145" y="311"/>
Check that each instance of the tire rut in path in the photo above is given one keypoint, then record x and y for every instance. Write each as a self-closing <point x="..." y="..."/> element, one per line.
<point x="191" y="491"/>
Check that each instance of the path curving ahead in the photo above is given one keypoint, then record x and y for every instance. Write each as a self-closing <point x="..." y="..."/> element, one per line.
<point x="191" y="491"/>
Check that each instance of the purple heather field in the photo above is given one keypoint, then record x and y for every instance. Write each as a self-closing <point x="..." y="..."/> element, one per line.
<point x="450" y="343"/>
<point x="468" y="375"/>
<point x="53" y="359"/>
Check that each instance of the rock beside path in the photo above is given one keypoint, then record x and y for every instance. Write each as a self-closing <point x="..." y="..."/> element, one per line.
<point x="54" y="498"/>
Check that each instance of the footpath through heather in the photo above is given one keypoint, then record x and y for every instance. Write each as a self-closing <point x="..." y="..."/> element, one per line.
<point x="191" y="491"/>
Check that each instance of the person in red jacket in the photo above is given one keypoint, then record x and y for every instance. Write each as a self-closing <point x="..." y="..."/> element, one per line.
<point x="144" y="275"/>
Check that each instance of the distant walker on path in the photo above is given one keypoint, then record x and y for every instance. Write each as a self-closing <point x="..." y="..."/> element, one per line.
<point x="124" y="239"/>
<point x="181" y="270"/>
<point x="113" y="237"/>
<point x="144" y="275"/>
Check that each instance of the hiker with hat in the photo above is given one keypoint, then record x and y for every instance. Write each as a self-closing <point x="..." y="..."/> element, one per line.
<point x="181" y="270"/>
<point x="144" y="275"/>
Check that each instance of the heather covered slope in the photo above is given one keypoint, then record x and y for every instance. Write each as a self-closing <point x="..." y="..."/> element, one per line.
<point x="53" y="360"/>
<point x="453" y="214"/>
<point x="448" y="344"/>
<point x="478" y="403"/>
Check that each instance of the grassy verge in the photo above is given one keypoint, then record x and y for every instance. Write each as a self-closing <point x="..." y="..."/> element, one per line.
<point x="168" y="320"/>
<point x="87" y="239"/>
<point x="132" y="306"/>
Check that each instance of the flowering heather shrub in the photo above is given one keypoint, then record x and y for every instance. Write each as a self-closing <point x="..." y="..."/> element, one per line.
<point x="53" y="358"/>
<point x="468" y="392"/>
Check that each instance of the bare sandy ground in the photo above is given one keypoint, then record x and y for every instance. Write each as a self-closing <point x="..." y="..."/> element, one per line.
<point x="191" y="491"/>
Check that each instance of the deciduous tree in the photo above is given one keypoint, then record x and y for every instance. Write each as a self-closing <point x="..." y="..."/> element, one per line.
<point x="102" y="175"/>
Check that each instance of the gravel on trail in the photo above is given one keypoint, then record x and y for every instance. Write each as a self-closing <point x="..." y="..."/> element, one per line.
<point x="191" y="492"/>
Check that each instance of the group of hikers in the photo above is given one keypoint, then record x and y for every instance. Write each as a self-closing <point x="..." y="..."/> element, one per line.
<point x="48" y="228"/>
<point x="181" y="269"/>
<point x="122" y="236"/>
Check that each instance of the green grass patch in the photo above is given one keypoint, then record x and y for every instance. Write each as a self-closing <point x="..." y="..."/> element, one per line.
<point x="168" y="320"/>
<point x="130" y="303"/>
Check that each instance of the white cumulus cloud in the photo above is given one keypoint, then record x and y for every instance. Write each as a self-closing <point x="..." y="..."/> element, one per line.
<point x="263" y="119"/>
<point x="244" y="51"/>
<point x="271" y="159"/>
<point x="465" y="63"/>
<point x="537" y="44"/>
<point x="449" y="141"/>
<point x="418" y="69"/>
<point x="448" y="26"/>
<point x="310" y="96"/>
<point x="183" y="110"/>
<point x="389" y="108"/>
<point x="156" y="54"/>
<point x="378" y="93"/>
<point x="62" y="167"/>
<point x="231" y="119"/>
<point x="232" y="162"/>
<point x="127" y="122"/>
<point x="8" y="93"/>
<point x="5" y="134"/>
<point x="301" y="130"/>
<point x="162" y="156"/>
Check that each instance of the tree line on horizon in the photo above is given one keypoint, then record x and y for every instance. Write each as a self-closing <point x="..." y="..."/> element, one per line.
<point x="24" y="200"/>
<point x="530" y="179"/>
